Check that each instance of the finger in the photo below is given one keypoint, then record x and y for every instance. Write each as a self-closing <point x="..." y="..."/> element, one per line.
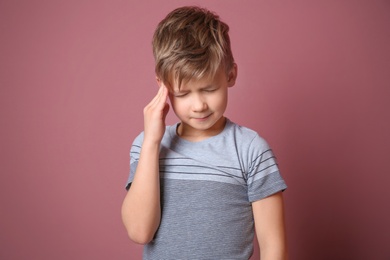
<point x="162" y="100"/>
<point x="156" y="97"/>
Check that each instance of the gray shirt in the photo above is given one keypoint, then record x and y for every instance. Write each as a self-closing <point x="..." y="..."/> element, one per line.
<point x="206" y="192"/>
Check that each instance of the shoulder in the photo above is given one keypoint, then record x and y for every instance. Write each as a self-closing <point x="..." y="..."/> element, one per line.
<point x="137" y="141"/>
<point x="168" y="132"/>
<point x="247" y="136"/>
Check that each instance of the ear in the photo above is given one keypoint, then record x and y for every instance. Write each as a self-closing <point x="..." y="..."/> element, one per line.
<point x="159" y="82"/>
<point x="232" y="75"/>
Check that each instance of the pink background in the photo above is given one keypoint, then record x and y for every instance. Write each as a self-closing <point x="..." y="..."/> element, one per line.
<point x="314" y="80"/>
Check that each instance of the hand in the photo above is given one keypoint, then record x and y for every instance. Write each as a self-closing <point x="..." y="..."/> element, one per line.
<point x="154" y="116"/>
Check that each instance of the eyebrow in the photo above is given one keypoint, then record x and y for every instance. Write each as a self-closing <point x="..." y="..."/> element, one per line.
<point x="181" y="90"/>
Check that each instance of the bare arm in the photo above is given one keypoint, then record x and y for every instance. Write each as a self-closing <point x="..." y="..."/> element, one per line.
<point x="270" y="227"/>
<point x="141" y="211"/>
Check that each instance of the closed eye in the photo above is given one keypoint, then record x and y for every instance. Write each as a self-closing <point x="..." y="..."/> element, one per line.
<point x="180" y="94"/>
<point x="210" y="90"/>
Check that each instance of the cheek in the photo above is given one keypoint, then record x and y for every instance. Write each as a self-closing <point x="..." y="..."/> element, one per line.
<point x="220" y="100"/>
<point x="177" y="105"/>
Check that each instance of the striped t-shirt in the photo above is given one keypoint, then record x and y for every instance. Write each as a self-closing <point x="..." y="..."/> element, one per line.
<point x="206" y="192"/>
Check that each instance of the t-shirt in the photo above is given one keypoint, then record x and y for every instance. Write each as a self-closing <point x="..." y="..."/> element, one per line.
<point x="206" y="192"/>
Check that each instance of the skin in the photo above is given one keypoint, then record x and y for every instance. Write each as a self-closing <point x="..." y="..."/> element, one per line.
<point x="200" y="107"/>
<point x="141" y="212"/>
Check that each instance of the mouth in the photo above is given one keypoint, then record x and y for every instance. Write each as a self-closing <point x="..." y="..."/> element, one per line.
<point x="202" y="117"/>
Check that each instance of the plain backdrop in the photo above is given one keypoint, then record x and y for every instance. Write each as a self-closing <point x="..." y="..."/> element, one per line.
<point x="314" y="80"/>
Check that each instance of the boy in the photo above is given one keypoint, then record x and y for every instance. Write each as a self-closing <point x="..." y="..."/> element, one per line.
<point x="198" y="189"/>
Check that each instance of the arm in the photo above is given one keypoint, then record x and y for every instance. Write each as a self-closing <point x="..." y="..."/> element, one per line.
<point x="141" y="210"/>
<point x="270" y="227"/>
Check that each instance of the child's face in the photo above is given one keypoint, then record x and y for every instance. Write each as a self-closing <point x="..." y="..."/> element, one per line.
<point x="200" y="104"/>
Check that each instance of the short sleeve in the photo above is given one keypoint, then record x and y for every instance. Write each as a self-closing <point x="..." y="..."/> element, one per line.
<point x="263" y="176"/>
<point x="135" y="151"/>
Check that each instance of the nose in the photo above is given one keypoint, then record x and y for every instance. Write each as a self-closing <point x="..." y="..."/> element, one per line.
<point x="199" y="104"/>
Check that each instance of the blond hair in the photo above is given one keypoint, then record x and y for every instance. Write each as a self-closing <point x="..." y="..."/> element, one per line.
<point x="191" y="43"/>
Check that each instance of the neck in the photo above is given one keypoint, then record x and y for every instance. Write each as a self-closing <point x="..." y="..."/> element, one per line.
<point x="194" y="135"/>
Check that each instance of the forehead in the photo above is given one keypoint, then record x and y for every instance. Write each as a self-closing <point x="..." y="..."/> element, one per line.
<point x="195" y="83"/>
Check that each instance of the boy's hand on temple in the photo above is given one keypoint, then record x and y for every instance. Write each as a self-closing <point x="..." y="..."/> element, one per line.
<point x="154" y="116"/>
